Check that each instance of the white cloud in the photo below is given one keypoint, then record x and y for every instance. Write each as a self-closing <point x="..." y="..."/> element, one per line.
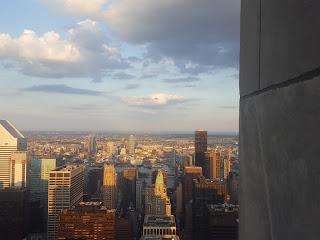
<point x="154" y="100"/>
<point x="198" y="35"/>
<point x="84" y="53"/>
<point x="49" y="47"/>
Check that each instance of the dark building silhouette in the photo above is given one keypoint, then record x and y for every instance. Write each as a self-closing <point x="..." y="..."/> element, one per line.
<point x="200" y="144"/>
<point x="124" y="229"/>
<point x="88" y="220"/>
<point x="94" y="179"/>
<point x="14" y="213"/>
<point x="205" y="192"/>
<point x="221" y="223"/>
<point x="128" y="187"/>
<point x="190" y="173"/>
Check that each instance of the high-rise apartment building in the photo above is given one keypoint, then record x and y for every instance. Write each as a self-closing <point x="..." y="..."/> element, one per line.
<point x="65" y="190"/>
<point x="109" y="187"/>
<point x="200" y="141"/>
<point x="88" y="220"/>
<point x="156" y="198"/>
<point x="39" y="178"/>
<point x="131" y="144"/>
<point x="11" y="140"/>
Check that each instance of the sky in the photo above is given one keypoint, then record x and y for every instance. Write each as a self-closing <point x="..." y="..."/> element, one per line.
<point x="120" y="65"/>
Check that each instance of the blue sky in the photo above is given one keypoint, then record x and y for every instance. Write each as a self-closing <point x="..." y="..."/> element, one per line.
<point x="129" y="65"/>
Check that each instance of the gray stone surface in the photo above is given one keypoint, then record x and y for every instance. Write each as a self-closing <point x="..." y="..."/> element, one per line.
<point x="250" y="44"/>
<point x="290" y="34"/>
<point x="280" y="163"/>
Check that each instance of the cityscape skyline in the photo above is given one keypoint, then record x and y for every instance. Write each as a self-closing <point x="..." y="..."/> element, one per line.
<point x="96" y="67"/>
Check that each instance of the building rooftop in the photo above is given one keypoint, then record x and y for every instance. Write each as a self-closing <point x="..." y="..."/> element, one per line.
<point x="67" y="168"/>
<point x="11" y="129"/>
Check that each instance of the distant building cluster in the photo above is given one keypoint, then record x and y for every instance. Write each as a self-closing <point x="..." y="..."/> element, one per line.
<point x="75" y="186"/>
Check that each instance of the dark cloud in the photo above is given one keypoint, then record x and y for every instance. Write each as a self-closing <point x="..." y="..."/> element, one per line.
<point x="62" y="89"/>
<point x="131" y="86"/>
<point x="182" y="80"/>
<point x="197" y="34"/>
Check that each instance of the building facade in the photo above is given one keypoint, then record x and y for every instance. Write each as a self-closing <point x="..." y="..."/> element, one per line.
<point x="200" y="145"/>
<point x="11" y="140"/>
<point x="65" y="189"/>
<point x="109" y="192"/>
<point x="88" y="220"/>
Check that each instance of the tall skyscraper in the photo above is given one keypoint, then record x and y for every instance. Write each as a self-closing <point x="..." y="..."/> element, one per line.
<point x="128" y="186"/>
<point x="39" y="178"/>
<point x="92" y="145"/>
<point x="200" y="140"/>
<point x="110" y="148"/>
<point x="11" y="140"/>
<point x="131" y="144"/>
<point x="190" y="173"/>
<point x="139" y="194"/>
<point x="214" y="163"/>
<point x="88" y="220"/>
<point x="110" y="187"/>
<point x="65" y="190"/>
<point x="156" y="198"/>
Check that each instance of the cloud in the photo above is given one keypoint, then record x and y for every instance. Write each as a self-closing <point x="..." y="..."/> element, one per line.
<point x="122" y="76"/>
<point x="77" y="7"/>
<point x="182" y="80"/>
<point x="199" y="35"/>
<point x="131" y="86"/>
<point x="157" y="100"/>
<point x="84" y="53"/>
<point x="62" y="89"/>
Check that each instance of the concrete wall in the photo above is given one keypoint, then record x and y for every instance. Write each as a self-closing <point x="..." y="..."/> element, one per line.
<point x="280" y="120"/>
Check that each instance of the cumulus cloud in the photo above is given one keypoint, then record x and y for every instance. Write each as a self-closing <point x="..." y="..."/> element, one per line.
<point x="63" y="89"/>
<point x="199" y="35"/>
<point x="84" y="53"/>
<point x="157" y="100"/>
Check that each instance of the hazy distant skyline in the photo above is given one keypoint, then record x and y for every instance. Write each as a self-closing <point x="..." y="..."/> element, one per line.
<point x="121" y="65"/>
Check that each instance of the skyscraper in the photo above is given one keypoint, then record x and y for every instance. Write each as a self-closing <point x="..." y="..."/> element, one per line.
<point x="131" y="144"/>
<point x="11" y="140"/>
<point x="200" y="149"/>
<point x="156" y="198"/>
<point x="88" y="220"/>
<point x="214" y="163"/>
<point x="190" y="173"/>
<point x="92" y="145"/>
<point x="128" y="186"/>
<point x="110" y="187"/>
<point x="65" y="190"/>
<point x="39" y="177"/>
